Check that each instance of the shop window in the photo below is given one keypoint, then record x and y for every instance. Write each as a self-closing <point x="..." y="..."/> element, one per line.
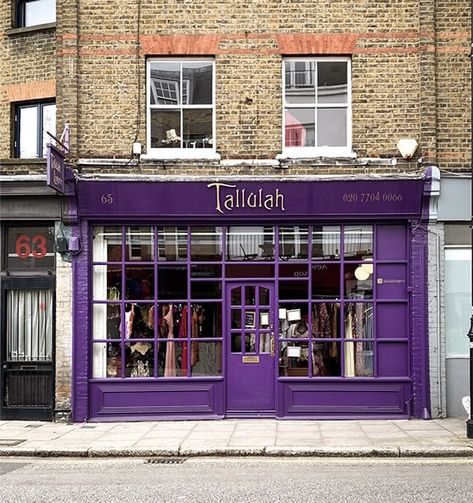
<point x="206" y="243"/>
<point x="35" y="12"/>
<point x="317" y="106"/>
<point x="32" y="121"/>
<point x="181" y="108"/>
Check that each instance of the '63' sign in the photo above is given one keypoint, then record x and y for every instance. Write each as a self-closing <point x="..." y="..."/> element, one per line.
<point x="35" y="246"/>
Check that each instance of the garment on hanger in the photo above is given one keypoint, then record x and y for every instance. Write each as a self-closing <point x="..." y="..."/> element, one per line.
<point x="183" y="335"/>
<point x="170" y="361"/>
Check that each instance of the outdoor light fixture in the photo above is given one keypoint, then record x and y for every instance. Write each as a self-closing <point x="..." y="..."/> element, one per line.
<point x="407" y="147"/>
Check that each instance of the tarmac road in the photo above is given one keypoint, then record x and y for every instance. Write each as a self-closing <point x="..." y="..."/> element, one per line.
<point x="209" y="480"/>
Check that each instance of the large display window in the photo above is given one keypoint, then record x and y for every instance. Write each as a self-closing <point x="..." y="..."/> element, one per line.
<point x="159" y="305"/>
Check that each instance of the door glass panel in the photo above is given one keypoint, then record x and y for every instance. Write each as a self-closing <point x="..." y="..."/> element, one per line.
<point x="264" y="296"/>
<point x="264" y="343"/>
<point x="250" y="294"/>
<point x="29" y="325"/>
<point x="250" y="342"/>
<point x="236" y="318"/>
<point x="236" y="296"/>
<point x="236" y="343"/>
<point x="264" y="319"/>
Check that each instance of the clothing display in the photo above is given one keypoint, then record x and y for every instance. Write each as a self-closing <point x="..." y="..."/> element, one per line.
<point x="358" y="325"/>
<point x="141" y="360"/>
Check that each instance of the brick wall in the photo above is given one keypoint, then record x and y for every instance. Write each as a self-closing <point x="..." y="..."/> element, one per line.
<point x="409" y="80"/>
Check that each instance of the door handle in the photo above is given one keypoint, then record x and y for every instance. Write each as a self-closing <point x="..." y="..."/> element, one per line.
<point x="271" y="345"/>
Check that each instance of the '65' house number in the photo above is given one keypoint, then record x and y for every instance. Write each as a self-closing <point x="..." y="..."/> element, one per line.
<point x="106" y="199"/>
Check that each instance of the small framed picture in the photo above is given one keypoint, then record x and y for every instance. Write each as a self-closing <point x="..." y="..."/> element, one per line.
<point x="250" y="318"/>
<point x="264" y="319"/>
<point x="293" y="314"/>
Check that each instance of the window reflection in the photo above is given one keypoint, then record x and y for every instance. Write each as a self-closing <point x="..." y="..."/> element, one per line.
<point x="326" y="242"/>
<point x="107" y="245"/>
<point x="206" y="243"/>
<point x="358" y="241"/>
<point x="358" y="281"/>
<point x="250" y="243"/>
<point x="139" y="244"/>
<point x="172" y="243"/>
<point x="293" y="242"/>
<point x="326" y="281"/>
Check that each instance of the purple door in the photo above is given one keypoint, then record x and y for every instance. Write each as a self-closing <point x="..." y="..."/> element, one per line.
<point x="250" y="377"/>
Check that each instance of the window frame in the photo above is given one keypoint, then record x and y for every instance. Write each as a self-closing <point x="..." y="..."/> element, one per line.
<point x="39" y="105"/>
<point x="20" y="12"/>
<point x="307" y="152"/>
<point x="181" y="152"/>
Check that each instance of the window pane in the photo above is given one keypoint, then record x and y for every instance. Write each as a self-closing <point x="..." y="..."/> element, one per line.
<point x="207" y="360"/>
<point x="49" y="124"/>
<point x="165" y="129"/>
<point x="29" y="132"/>
<point x="326" y="242"/>
<point x="106" y="360"/>
<point x="300" y="82"/>
<point x="294" y="359"/>
<point x="358" y="320"/>
<point x="326" y="359"/>
<point x="165" y="83"/>
<point x="139" y="283"/>
<point x="172" y="320"/>
<point x="139" y="359"/>
<point x="139" y="244"/>
<point x="332" y="83"/>
<point x="326" y="320"/>
<point x="206" y="320"/>
<point x="206" y="243"/>
<point x="107" y="321"/>
<point x="107" y="282"/>
<point x="29" y="325"/>
<point x="326" y="281"/>
<point x="107" y="245"/>
<point x="300" y="127"/>
<point x="358" y="281"/>
<point x="358" y="241"/>
<point x="172" y="243"/>
<point x="359" y="359"/>
<point x="197" y="83"/>
<point x="250" y="243"/>
<point x="39" y="12"/>
<point x="293" y="321"/>
<point x="197" y="126"/>
<point x="331" y="127"/>
<point x="172" y="283"/>
<point x="250" y="342"/>
<point x="293" y="242"/>
<point x="457" y="300"/>
<point x="30" y="248"/>
<point x="206" y="271"/>
<point x="172" y="359"/>
<point x="292" y="290"/>
<point x="139" y="320"/>
<point x="206" y="289"/>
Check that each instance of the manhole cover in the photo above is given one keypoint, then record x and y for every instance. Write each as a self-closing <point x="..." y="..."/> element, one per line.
<point x="10" y="467"/>
<point x="166" y="461"/>
<point x="10" y="442"/>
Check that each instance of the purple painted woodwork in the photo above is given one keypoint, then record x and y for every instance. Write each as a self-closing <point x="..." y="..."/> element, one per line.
<point x="265" y="200"/>
<point x="250" y="370"/>
<point x="399" y="390"/>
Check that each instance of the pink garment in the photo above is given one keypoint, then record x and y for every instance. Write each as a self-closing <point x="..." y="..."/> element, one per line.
<point x="170" y="362"/>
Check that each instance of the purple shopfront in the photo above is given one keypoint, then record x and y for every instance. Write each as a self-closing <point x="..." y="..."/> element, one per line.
<point x="213" y="299"/>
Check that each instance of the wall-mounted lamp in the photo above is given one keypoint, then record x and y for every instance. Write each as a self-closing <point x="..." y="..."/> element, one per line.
<point x="407" y="147"/>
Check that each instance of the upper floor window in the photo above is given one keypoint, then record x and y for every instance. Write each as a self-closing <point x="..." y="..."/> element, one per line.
<point x="317" y="106"/>
<point x="34" y="12"/>
<point x="181" y="108"/>
<point x="32" y="121"/>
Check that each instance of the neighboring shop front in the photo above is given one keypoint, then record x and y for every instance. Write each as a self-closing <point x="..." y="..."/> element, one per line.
<point x="27" y="299"/>
<point x="250" y="299"/>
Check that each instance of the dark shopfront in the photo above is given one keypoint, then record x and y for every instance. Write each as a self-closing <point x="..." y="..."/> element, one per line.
<point x="250" y="299"/>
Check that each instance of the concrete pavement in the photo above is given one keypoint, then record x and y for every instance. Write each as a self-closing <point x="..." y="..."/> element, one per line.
<point x="245" y="437"/>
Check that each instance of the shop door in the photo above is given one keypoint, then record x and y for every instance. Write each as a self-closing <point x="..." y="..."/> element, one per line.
<point x="27" y="377"/>
<point x="250" y="377"/>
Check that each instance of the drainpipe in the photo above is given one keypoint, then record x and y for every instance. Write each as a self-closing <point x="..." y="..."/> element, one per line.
<point x="469" y="423"/>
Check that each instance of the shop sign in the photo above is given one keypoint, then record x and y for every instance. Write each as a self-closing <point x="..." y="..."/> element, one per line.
<point x="56" y="169"/>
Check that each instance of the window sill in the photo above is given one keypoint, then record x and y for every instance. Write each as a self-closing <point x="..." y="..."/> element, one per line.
<point x="305" y="153"/>
<point x="30" y="29"/>
<point x="182" y="156"/>
<point x="23" y="160"/>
